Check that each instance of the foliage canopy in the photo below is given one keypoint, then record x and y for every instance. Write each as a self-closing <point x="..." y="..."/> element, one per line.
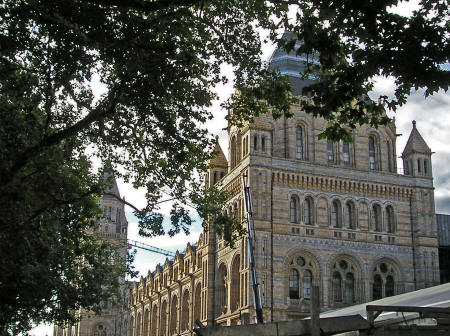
<point x="158" y="62"/>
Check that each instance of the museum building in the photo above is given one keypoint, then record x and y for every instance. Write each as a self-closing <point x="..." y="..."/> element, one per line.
<point x="334" y="214"/>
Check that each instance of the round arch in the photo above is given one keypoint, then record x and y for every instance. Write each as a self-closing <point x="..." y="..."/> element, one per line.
<point x="197" y="301"/>
<point x="351" y="258"/>
<point x="163" y="318"/>
<point x="301" y="270"/>
<point x="154" y="321"/>
<point x="388" y="259"/>
<point x="302" y="251"/>
<point x="386" y="277"/>
<point x="222" y="288"/>
<point x="173" y="323"/>
<point x="235" y="282"/>
<point x="185" y="304"/>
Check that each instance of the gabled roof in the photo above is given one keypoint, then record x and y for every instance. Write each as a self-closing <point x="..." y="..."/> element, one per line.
<point x="167" y="264"/>
<point x="178" y="257"/>
<point x="416" y="144"/>
<point x="219" y="159"/>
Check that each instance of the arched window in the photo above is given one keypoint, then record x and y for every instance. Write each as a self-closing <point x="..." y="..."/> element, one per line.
<point x="390" y="219"/>
<point x="384" y="280"/>
<point x="308" y="211"/>
<point x="235" y="284"/>
<point x="263" y="143"/>
<point x="233" y="155"/>
<point x="406" y="167"/>
<point x="222" y="290"/>
<point x="337" y="287"/>
<point x="101" y="331"/>
<point x="294" y="209"/>
<point x="390" y="285"/>
<point x="255" y="142"/>
<point x="301" y="272"/>
<point x="350" y="221"/>
<point x="154" y="323"/>
<point x="389" y="157"/>
<point x="349" y="295"/>
<point x="185" y="311"/>
<point x="247" y="144"/>
<point x="419" y="165"/>
<point x="336" y="214"/>
<point x="425" y="166"/>
<point x="300" y="143"/>
<point x="173" y="316"/>
<point x="346" y="153"/>
<point x="197" y="302"/>
<point x="163" y="321"/>
<point x="330" y="151"/>
<point x="307" y="283"/>
<point x="372" y="153"/>
<point x="344" y="275"/>
<point x="376" y="218"/>
<point x="294" y="284"/>
<point x="377" y="292"/>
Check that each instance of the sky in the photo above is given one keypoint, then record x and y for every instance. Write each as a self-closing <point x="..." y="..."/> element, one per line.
<point x="433" y="122"/>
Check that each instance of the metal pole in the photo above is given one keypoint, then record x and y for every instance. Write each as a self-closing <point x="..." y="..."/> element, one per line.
<point x="249" y="213"/>
<point x="315" y="311"/>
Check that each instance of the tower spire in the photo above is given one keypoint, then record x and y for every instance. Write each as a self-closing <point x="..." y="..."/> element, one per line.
<point x="416" y="155"/>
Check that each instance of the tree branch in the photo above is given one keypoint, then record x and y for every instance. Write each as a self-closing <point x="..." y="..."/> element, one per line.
<point x="98" y="114"/>
<point x="132" y="205"/>
<point x="150" y="6"/>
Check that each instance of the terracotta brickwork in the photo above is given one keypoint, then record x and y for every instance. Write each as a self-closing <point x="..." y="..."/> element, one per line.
<point x="333" y="214"/>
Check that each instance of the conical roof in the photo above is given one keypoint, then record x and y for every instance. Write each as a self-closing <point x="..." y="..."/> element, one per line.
<point x="416" y="144"/>
<point x="291" y="64"/>
<point x="218" y="160"/>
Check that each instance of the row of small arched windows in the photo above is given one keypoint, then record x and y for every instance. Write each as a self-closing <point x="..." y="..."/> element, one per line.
<point x="372" y="150"/>
<point x="259" y="143"/>
<point x="339" y="217"/>
<point x="147" y="324"/>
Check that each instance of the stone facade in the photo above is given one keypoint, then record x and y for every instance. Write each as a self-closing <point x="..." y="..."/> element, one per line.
<point x="333" y="214"/>
<point x="113" y="320"/>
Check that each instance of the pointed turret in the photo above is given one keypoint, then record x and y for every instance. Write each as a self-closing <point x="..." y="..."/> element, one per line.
<point x="112" y="185"/>
<point x="416" y="155"/>
<point x="218" y="165"/>
<point x="114" y="220"/>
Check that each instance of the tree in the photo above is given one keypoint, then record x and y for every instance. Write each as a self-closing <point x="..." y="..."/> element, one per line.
<point x="349" y="43"/>
<point x="158" y="62"/>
